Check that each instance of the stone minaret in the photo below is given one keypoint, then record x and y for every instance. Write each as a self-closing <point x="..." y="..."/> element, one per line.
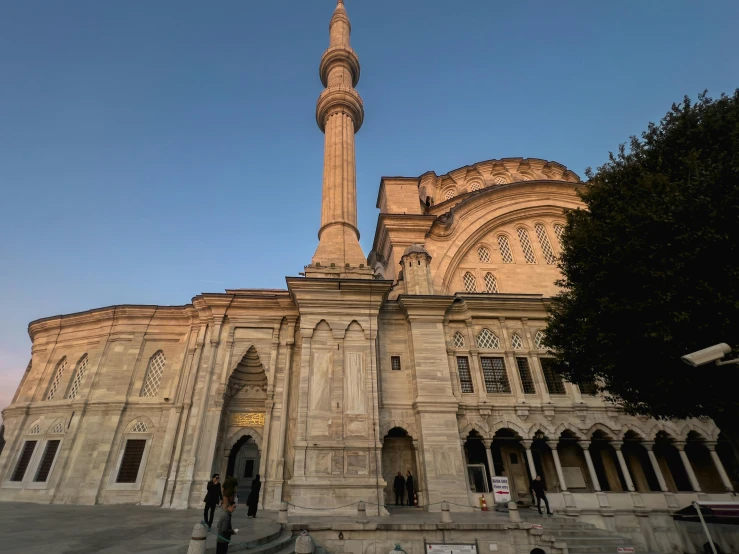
<point x="339" y="114"/>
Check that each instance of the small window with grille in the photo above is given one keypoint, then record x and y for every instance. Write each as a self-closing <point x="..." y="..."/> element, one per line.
<point x="449" y="194"/>
<point x="395" y="363"/>
<point x="495" y="375"/>
<point x="524" y="373"/>
<point x="475" y="186"/>
<point x="500" y="180"/>
<point x="516" y="341"/>
<point x="42" y="473"/>
<point x="559" y="230"/>
<point x="58" y="374"/>
<point x="554" y="381"/>
<point x="528" y="251"/>
<point x="483" y="254"/>
<point x="458" y="340"/>
<point x="505" y="249"/>
<point x="57" y="429"/>
<point x="589" y="388"/>
<point x="140" y="427"/>
<point x="470" y="283"/>
<point x="539" y="339"/>
<point x="131" y="461"/>
<point x="35" y="429"/>
<point x="23" y="461"/>
<point x="465" y="377"/>
<point x="487" y="339"/>
<point x="546" y="247"/>
<point x="491" y="284"/>
<point x="153" y="375"/>
<point x="77" y="381"/>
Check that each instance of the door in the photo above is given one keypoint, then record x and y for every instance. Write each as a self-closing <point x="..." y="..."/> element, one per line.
<point x="515" y="468"/>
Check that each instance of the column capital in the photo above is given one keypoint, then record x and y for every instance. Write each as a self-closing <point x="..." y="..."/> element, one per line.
<point x="527" y="443"/>
<point x="680" y="445"/>
<point x="711" y="445"/>
<point x="617" y="444"/>
<point x="551" y="443"/>
<point x="487" y="442"/>
<point x="648" y="445"/>
<point x="585" y="445"/>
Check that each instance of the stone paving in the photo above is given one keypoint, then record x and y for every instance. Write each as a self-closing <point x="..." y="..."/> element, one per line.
<point x="64" y="529"/>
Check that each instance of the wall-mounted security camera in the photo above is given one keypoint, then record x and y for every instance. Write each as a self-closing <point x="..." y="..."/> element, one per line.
<point x="711" y="354"/>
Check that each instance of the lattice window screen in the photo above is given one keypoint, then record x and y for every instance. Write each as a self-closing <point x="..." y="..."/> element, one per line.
<point x="524" y="372"/>
<point x="539" y="339"/>
<point x="79" y="374"/>
<point x="57" y="429"/>
<point x="491" y="285"/>
<point x="505" y="249"/>
<point x="35" y="430"/>
<point x="140" y="427"/>
<point x="528" y="251"/>
<point x="516" y="341"/>
<point x="153" y="375"/>
<point x="449" y="194"/>
<point x="554" y="381"/>
<point x="487" y="339"/>
<point x="475" y="186"/>
<point x="470" y="283"/>
<point x="546" y="246"/>
<point x="499" y="180"/>
<point x="559" y="230"/>
<point x="458" y="340"/>
<point x="465" y="377"/>
<point x="57" y="379"/>
<point x="495" y="375"/>
<point x="483" y="254"/>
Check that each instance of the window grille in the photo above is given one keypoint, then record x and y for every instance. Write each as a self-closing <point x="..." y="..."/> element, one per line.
<point x="505" y="249"/>
<point x="153" y="375"/>
<point x="491" y="285"/>
<point x="470" y="283"/>
<point x="458" y="340"/>
<point x="546" y="246"/>
<point x="524" y="372"/>
<point x="484" y="255"/>
<point x="528" y="251"/>
<point x="516" y="341"/>
<point x="554" y="381"/>
<point x="589" y="388"/>
<point x="525" y="178"/>
<point x="539" y="339"/>
<point x="35" y="430"/>
<point x="58" y="428"/>
<point x="395" y="363"/>
<point x="475" y="186"/>
<point x="23" y="461"/>
<point x="131" y="461"/>
<point x="140" y="427"/>
<point x="449" y="194"/>
<point x="500" y="180"/>
<point x="42" y="473"/>
<point x="487" y="339"/>
<point x="465" y="377"/>
<point x="77" y="381"/>
<point x="57" y="379"/>
<point x="495" y="375"/>
<point x="559" y="230"/>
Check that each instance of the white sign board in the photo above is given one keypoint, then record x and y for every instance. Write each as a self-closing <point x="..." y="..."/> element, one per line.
<point x="451" y="549"/>
<point x="625" y="549"/>
<point x="501" y="490"/>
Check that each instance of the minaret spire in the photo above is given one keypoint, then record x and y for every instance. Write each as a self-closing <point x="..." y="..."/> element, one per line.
<point x="339" y="114"/>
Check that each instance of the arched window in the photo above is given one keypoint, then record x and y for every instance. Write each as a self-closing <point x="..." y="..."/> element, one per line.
<point x="153" y="375"/>
<point x="35" y="429"/>
<point x="491" y="285"/>
<point x="475" y="186"/>
<point x="57" y="428"/>
<point x="546" y="246"/>
<point x="78" y="375"/>
<point x="57" y="378"/>
<point x="140" y="427"/>
<point x="470" y="283"/>
<point x="539" y="339"/>
<point x="449" y="194"/>
<point x="528" y="251"/>
<point x="487" y="339"/>
<point x="505" y="249"/>
<point x="559" y="230"/>
<point x="484" y="255"/>
<point x="458" y="340"/>
<point x="516" y="342"/>
<point x="500" y="180"/>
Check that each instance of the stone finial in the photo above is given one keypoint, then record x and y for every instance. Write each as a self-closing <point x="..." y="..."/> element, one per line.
<point x="446" y="515"/>
<point x="197" y="540"/>
<point x="304" y="544"/>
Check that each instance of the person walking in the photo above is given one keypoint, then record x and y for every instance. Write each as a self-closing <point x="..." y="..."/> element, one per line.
<point x="399" y="488"/>
<point x="213" y="497"/>
<point x="539" y="490"/>
<point x="229" y="489"/>
<point x="225" y="529"/>
<point x="252" y="500"/>
<point x="409" y="488"/>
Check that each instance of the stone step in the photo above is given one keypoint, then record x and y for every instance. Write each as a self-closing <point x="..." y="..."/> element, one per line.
<point x="596" y="549"/>
<point x="285" y="541"/>
<point x="605" y="541"/>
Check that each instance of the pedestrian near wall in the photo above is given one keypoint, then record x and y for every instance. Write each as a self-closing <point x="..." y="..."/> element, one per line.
<point x="399" y="488"/>
<point x="225" y="529"/>
<point x="538" y="489"/>
<point x="213" y="498"/>
<point x="409" y="487"/>
<point x="252" y="500"/>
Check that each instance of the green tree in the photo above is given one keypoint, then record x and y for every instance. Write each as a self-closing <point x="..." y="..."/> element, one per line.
<point x="651" y="268"/>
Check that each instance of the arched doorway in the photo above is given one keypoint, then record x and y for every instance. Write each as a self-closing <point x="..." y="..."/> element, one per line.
<point x="398" y="455"/>
<point x="509" y="459"/>
<point x="243" y="463"/>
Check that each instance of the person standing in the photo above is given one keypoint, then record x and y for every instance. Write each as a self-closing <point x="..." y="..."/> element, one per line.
<point x="409" y="488"/>
<point x="539" y="490"/>
<point x="225" y="530"/>
<point x="213" y="497"/>
<point x="252" y="500"/>
<point x="399" y="488"/>
<point x="229" y="489"/>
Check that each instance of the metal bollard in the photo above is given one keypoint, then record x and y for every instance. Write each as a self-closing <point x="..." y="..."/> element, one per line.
<point x="361" y="512"/>
<point x="282" y="515"/>
<point x="304" y="544"/>
<point x="513" y="512"/>
<point x="446" y="515"/>
<point x="197" y="541"/>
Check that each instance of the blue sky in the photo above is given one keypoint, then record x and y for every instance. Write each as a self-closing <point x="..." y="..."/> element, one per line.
<point x="150" y="151"/>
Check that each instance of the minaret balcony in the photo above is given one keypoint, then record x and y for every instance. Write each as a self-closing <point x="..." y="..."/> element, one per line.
<point x="339" y="100"/>
<point x="339" y="55"/>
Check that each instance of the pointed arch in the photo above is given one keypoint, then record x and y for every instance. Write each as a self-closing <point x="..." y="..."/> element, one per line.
<point x="473" y="426"/>
<point x="562" y="427"/>
<point x="56" y="428"/>
<point x="508" y="425"/>
<point x="249" y="372"/>
<point x="550" y="433"/>
<point x="79" y="374"/>
<point x="354" y="326"/>
<point x="140" y="424"/>
<point x="408" y="427"/>
<point x="153" y="377"/>
<point x="57" y="379"/>
<point x="243" y="432"/>
<point x="611" y="432"/>
<point x="630" y="427"/>
<point x="34" y="428"/>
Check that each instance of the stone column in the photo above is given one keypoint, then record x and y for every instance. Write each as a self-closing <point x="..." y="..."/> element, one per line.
<point x="420" y="477"/>
<point x="464" y="463"/>
<point x="719" y="466"/>
<point x="585" y="445"/>
<point x="680" y="445"/>
<point x="622" y="462"/>
<point x="530" y="457"/>
<point x="489" y="443"/>
<point x="558" y="465"/>
<point x="655" y="466"/>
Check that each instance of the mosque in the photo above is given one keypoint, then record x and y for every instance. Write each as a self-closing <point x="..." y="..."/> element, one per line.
<point x="424" y="356"/>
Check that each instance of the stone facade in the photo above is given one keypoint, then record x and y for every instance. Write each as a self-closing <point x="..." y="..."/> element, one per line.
<point x="424" y="357"/>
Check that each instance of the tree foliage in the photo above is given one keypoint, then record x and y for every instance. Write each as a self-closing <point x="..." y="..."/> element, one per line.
<point x="651" y="268"/>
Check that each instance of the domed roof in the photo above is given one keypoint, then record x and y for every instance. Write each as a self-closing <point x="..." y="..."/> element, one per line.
<point x="415" y="249"/>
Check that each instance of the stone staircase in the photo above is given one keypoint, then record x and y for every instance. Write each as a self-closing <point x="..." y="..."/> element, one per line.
<point x="278" y="542"/>
<point x="581" y="537"/>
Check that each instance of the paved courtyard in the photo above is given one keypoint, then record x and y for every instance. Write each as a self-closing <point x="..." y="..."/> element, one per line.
<point x="60" y="529"/>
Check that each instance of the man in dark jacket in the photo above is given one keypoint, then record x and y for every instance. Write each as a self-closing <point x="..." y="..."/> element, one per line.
<point x="225" y="530"/>
<point x="538" y="489"/>
<point x="410" y="488"/>
<point x="399" y="488"/>
<point x="212" y="498"/>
